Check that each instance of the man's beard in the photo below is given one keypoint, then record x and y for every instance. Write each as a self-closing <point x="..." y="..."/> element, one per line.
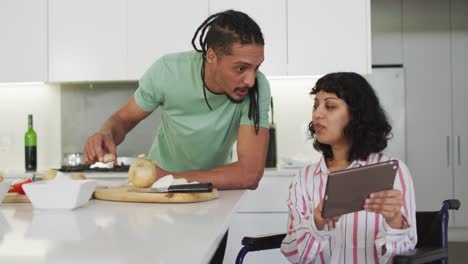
<point x="238" y="101"/>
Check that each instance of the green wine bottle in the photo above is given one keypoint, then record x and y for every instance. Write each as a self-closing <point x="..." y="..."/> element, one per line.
<point x="30" y="146"/>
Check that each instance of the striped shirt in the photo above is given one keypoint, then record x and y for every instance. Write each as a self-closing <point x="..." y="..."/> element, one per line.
<point x="359" y="237"/>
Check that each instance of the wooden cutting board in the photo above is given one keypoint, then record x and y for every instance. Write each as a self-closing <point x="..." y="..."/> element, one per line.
<point x="122" y="194"/>
<point x="15" y="198"/>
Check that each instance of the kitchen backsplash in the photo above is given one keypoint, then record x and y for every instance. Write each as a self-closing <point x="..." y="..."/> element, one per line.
<point x="65" y="116"/>
<point x="85" y="107"/>
<point x="16" y="102"/>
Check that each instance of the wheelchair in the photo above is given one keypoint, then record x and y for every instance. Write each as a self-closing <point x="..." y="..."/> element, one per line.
<point x="432" y="245"/>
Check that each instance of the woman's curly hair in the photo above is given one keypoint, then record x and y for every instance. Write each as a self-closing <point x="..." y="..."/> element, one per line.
<point x="368" y="129"/>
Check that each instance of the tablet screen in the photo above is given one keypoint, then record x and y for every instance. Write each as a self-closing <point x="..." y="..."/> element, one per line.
<point x="347" y="190"/>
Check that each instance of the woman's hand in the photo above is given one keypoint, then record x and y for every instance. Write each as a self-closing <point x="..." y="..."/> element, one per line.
<point x="320" y="222"/>
<point x="388" y="204"/>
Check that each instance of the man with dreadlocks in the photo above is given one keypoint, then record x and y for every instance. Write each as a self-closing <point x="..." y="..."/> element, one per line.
<point x="209" y="98"/>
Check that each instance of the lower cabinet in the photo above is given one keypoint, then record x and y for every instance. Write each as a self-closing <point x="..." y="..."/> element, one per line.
<point x="255" y="224"/>
<point x="261" y="212"/>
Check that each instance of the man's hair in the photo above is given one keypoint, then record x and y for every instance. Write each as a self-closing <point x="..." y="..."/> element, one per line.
<point x="219" y="32"/>
<point x="368" y="129"/>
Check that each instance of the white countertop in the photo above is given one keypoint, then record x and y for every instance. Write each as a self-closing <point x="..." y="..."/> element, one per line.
<point x="121" y="175"/>
<point x="116" y="232"/>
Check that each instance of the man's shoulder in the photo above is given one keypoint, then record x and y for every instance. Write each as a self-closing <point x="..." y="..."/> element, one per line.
<point x="181" y="57"/>
<point x="262" y="79"/>
<point x="175" y="62"/>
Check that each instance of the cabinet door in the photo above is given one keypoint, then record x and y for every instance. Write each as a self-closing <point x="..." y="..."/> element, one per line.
<point x="262" y="200"/>
<point x="328" y="36"/>
<point x="87" y="40"/>
<point x="460" y="108"/>
<point x="270" y="15"/>
<point x="387" y="37"/>
<point x="159" y="27"/>
<point x="255" y="224"/>
<point x="23" y="46"/>
<point x="428" y="100"/>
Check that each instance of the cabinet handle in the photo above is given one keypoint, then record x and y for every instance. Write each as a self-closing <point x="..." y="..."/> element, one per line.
<point x="448" y="151"/>
<point x="458" y="146"/>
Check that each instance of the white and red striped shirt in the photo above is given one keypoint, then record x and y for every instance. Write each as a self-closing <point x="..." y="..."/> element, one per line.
<point x="359" y="237"/>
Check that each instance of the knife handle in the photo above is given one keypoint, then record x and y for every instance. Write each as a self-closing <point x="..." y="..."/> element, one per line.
<point x="189" y="188"/>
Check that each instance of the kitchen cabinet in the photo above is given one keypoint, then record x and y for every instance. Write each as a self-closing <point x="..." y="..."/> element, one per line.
<point x="261" y="212"/>
<point x="387" y="37"/>
<point x="154" y="31"/>
<point x="273" y="25"/>
<point x="87" y="40"/>
<point x="436" y="55"/>
<point x="118" y="40"/>
<point x="459" y="55"/>
<point x="328" y="36"/>
<point x="23" y="48"/>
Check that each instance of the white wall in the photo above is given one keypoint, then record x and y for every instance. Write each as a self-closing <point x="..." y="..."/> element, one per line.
<point x="16" y="102"/>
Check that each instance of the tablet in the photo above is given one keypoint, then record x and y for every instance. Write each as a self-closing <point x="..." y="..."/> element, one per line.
<point x="347" y="190"/>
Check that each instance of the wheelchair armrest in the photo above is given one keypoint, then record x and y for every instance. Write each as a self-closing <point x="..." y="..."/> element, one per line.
<point x="265" y="242"/>
<point x="453" y="204"/>
<point x="421" y="255"/>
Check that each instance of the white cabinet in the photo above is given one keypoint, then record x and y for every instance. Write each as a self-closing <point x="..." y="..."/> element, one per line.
<point x="436" y="55"/>
<point x="387" y="37"/>
<point x="87" y="40"/>
<point x="261" y="212"/>
<point x="119" y="39"/>
<point x="159" y="27"/>
<point x="459" y="47"/>
<point x="328" y="36"/>
<point x="427" y="64"/>
<point x="23" y="45"/>
<point x="270" y="15"/>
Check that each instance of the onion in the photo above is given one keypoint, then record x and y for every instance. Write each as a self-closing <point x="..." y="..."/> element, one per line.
<point x="142" y="172"/>
<point x="49" y="175"/>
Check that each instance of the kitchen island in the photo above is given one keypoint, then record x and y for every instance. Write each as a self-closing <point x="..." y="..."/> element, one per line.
<point x="116" y="232"/>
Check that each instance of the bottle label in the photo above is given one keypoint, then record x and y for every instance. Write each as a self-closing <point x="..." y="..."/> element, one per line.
<point x="31" y="157"/>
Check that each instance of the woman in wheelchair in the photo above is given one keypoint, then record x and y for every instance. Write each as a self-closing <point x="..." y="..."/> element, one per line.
<point x="350" y="129"/>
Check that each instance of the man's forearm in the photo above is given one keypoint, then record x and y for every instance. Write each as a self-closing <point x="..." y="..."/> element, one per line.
<point x="116" y="128"/>
<point x="228" y="177"/>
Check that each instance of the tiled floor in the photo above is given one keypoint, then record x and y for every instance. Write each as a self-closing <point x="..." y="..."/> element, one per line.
<point x="458" y="252"/>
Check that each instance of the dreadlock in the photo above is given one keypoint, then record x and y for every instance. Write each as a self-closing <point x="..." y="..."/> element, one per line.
<point x="219" y="31"/>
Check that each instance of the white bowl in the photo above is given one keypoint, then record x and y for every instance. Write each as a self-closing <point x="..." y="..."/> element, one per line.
<point x="60" y="194"/>
<point x="4" y="186"/>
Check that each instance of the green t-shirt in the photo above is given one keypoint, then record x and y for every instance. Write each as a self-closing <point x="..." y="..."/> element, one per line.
<point x="191" y="136"/>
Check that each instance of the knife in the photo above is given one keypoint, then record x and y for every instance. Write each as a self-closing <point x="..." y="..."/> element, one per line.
<point x="179" y="188"/>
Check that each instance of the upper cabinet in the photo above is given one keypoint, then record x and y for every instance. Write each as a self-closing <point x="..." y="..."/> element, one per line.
<point x="272" y="24"/>
<point x="87" y="40"/>
<point x="328" y="36"/>
<point x="23" y="46"/>
<point x="156" y="28"/>
<point x="114" y="40"/>
<point x="387" y="36"/>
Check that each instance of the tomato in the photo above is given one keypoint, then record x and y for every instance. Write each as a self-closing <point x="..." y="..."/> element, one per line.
<point x="18" y="186"/>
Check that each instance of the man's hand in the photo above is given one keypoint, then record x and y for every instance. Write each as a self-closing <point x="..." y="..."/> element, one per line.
<point x="97" y="146"/>
<point x="320" y="222"/>
<point x="113" y="132"/>
<point x="388" y="204"/>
